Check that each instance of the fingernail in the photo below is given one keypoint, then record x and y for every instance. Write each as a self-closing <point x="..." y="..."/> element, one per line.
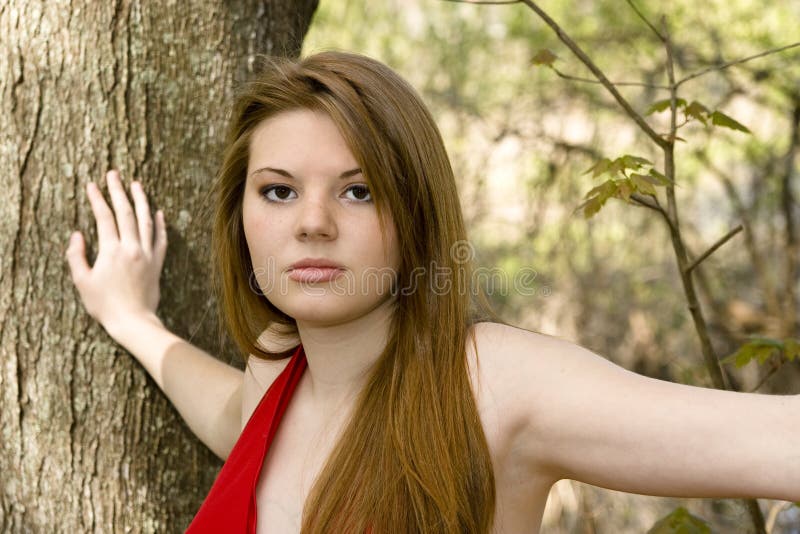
<point x="73" y="238"/>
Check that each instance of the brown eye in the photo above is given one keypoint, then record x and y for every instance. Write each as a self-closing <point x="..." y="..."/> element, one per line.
<point x="360" y="192"/>
<point x="276" y="193"/>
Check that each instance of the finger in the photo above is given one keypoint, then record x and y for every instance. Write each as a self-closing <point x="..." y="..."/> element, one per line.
<point x="143" y="218"/>
<point x="126" y="221"/>
<point x="160" y="245"/>
<point x="76" y="258"/>
<point x="106" y="227"/>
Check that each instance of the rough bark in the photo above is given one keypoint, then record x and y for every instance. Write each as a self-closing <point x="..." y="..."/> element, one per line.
<point x="87" y="442"/>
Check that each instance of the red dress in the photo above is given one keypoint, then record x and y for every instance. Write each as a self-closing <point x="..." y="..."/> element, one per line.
<point x="230" y="506"/>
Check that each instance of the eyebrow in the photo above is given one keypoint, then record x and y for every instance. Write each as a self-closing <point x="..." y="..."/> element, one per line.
<point x="287" y="174"/>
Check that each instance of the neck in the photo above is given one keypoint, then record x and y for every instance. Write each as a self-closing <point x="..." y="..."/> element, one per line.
<point x="340" y="356"/>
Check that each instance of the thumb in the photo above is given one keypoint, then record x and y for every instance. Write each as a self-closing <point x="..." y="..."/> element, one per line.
<point x="76" y="257"/>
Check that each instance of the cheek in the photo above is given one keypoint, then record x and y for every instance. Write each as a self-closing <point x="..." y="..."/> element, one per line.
<point x="256" y="228"/>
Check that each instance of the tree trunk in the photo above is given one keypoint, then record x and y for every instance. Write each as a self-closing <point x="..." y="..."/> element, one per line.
<point x="88" y="442"/>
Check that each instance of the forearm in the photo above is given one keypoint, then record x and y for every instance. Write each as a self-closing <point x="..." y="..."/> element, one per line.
<point x="205" y="391"/>
<point x="794" y="465"/>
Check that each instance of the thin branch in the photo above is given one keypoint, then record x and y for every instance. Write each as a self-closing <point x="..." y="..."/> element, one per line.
<point x="684" y="123"/>
<point x="644" y="19"/>
<point x="735" y="62"/>
<point x="773" y="369"/>
<point x="654" y="205"/>
<point x="718" y="376"/>
<point x="756" y="258"/>
<point x="590" y="80"/>
<point x="632" y="113"/>
<point x="669" y="153"/>
<point x="640" y="199"/>
<point x="721" y="241"/>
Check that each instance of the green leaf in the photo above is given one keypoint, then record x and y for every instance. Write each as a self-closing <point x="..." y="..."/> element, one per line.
<point x="791" y="349"/>
<point x="660" y="178"/>
<point x="617" y="166"/>
<point x="592" y="206"/>
<point x="720" y="119"/>
<point x="606" y="189"/>
<point x="624" y="190"/>
<point x="662" y="105"/>
<point x="642" y="184"/>
<point x="599" y="168"/>
<point x="763" y="353"/>
<point x="598" y="197"/>
<point x="652" y="179"/>
<point x="544" y="57"/>
<point x="743" y="356"/>
<point x="633" y="162"/>
<point x="698" y="111"/>
<point x="758" y="348"/>
<point x="680" y="521"/>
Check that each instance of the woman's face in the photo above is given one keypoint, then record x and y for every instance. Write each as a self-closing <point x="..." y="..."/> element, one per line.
<point x="306" y="199"/>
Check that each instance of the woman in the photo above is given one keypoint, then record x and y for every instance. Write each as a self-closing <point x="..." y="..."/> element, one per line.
<point x="341" y="274"/>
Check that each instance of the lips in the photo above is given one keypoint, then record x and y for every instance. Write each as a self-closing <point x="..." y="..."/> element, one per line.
<point x="321" y="263"/>
<point x="314" y="274"/>
<point x="310" y="270"/>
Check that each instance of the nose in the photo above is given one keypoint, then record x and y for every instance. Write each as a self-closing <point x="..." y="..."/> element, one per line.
<point x="316" y="220"/>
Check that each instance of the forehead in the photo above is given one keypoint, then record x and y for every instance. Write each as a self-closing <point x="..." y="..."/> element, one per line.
<point x="300" y="138"/>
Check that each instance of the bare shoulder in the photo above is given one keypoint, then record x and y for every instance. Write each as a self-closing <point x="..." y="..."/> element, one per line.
<point x="502" y="364"/>
<point x="514" y="356"/>
<point x="507" y="356"/>
<point x="516" y="369"/>
<point x="511" y="372"/>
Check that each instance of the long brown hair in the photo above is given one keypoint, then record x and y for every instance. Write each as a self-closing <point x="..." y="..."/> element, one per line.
<point x="413" y="457"/>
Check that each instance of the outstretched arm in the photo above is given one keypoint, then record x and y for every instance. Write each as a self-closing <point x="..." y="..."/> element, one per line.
<point x="588" y="419"/>
<point x="121" y="291"/>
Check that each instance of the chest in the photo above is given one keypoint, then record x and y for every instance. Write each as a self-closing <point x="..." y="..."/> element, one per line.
<point x="295" y="458"/>
<point x="299" y="451"/>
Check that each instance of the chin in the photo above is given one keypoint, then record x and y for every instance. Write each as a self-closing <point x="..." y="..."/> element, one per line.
<point x="325" y="308"/>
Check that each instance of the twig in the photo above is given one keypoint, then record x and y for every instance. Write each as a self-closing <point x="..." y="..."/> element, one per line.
<point x="632" y="113"/>
<point x="773" y="369"/>
<point x="649" y="25"/>
<point x="655" y="206"/>
<point x="721" y="241"/>
<point x="590" y="80"/>
<point x="639" y="199"/>
<point x="684" y="123"/>
<point x="718" y="377"/>
<point x="756" y="258"/>
<point x="735" y="62"/>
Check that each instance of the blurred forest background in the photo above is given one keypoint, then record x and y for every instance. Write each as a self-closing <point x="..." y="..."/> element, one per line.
<point x="520" y="140"/>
